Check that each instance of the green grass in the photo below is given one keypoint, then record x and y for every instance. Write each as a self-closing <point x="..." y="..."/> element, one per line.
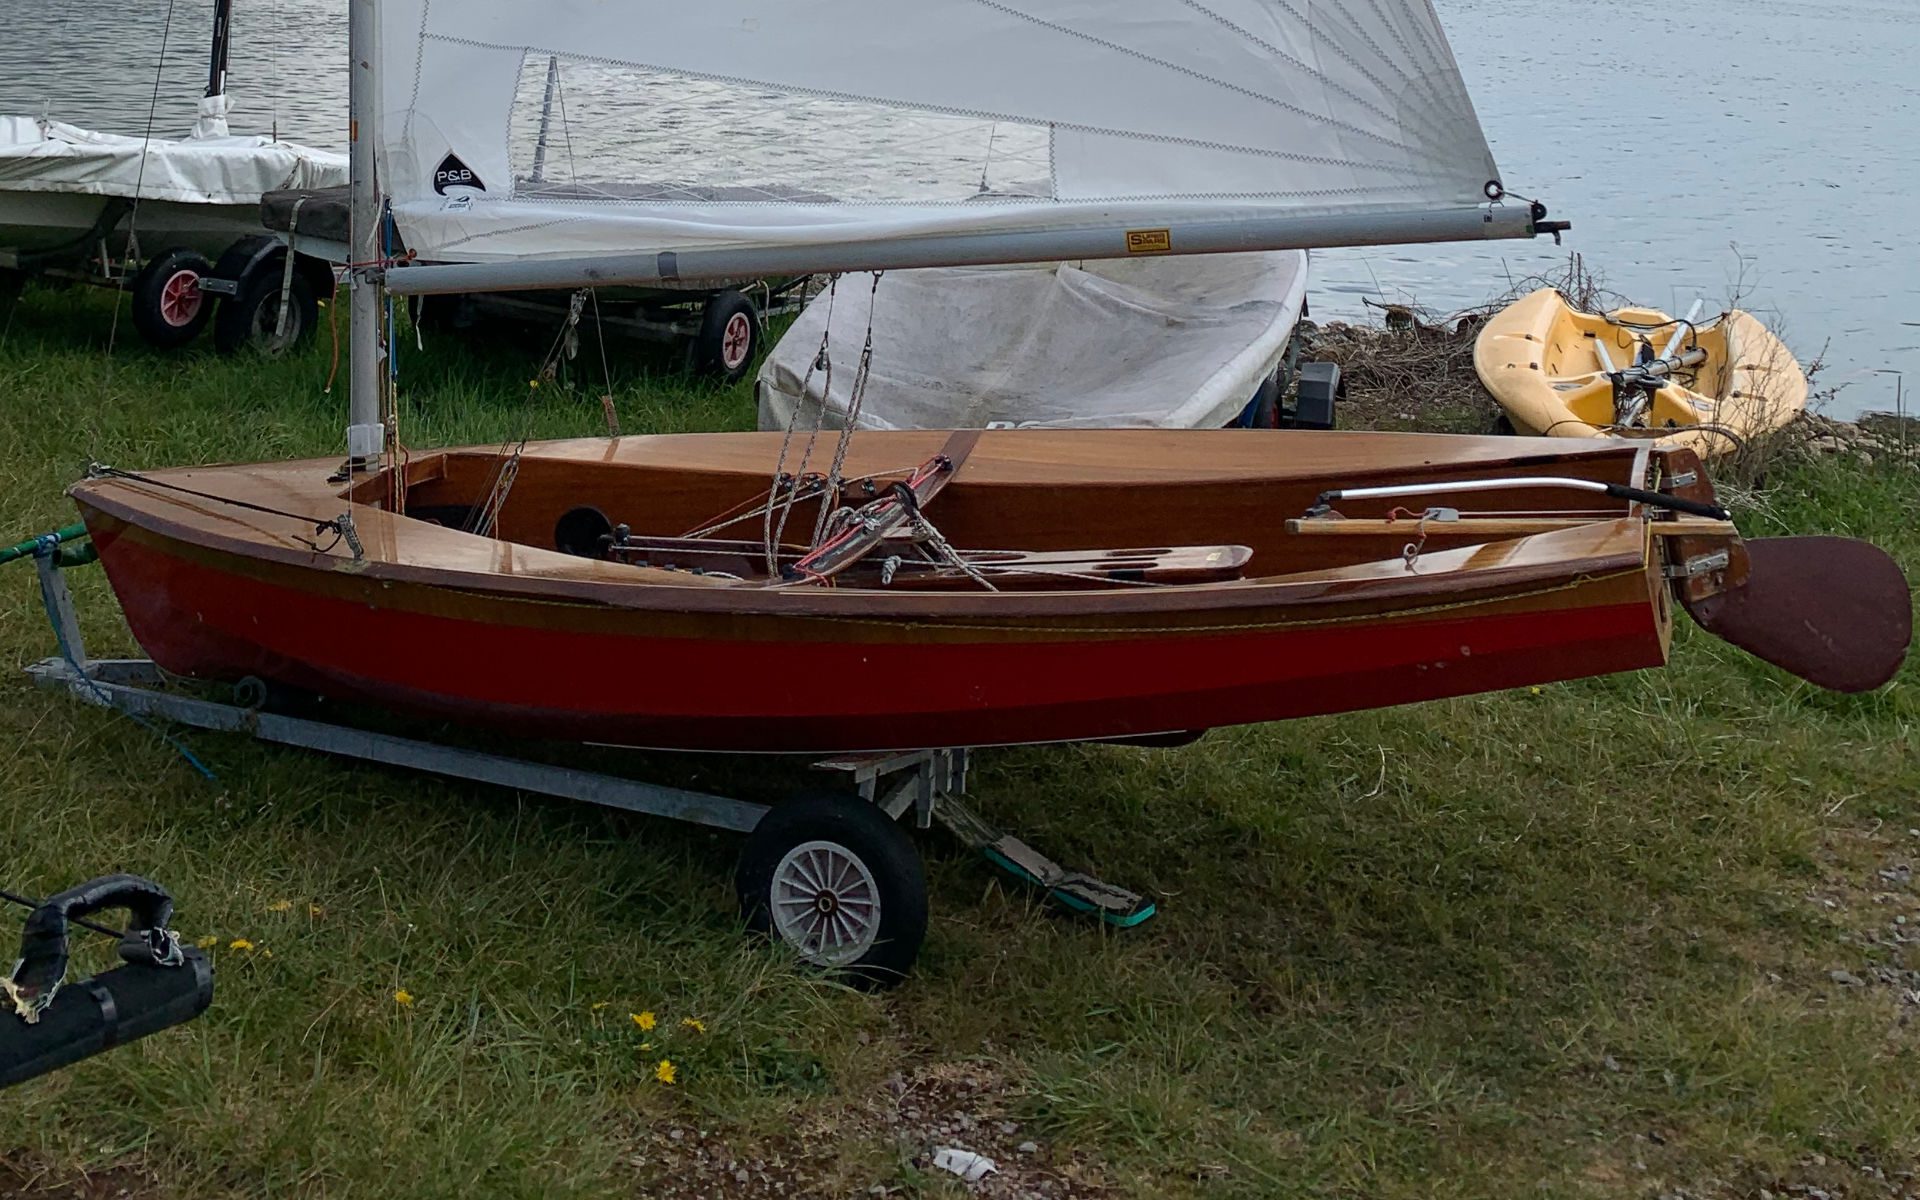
<point x="1572" y="941"/>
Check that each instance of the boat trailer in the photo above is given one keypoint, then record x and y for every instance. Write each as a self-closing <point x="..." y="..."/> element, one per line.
<point x="829" y="872"/>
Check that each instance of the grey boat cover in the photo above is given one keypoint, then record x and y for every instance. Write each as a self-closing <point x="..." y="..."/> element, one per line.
<point x="39" y="155"/>
<point x="1168" y="342"/>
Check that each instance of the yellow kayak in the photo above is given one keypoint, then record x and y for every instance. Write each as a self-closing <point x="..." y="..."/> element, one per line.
<point x="1637" y="373"/>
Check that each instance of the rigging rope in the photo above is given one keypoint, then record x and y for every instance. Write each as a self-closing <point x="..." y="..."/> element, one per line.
<point x="937" y="542"/>
<point x="855" y="397"/>
<point x="506" y="460"/>
<point x="607" y="409"/>
<point x="339" y="525"/>
<point x="398" y="457"/>
<point x="746" y="510"/>
<point x="770" y="533"/>
<point x="140" y="179"/>
<point x="506" y="469"/>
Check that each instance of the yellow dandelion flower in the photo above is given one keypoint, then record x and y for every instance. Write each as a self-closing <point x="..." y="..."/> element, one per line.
<point x="664" y="1072"/>
<point x="280" y="906"/>
<point x="208" y="942"/>
<point x="403" y="998"/>
<point x="1533" y="691"/>
<point x="240" y="944"/>
<point x="534" y="384"/>
<point x="694" y="1023"/>
<point x="645" y="1020"/>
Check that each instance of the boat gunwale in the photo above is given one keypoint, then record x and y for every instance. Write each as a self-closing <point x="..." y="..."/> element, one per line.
<point x="1489" y="584"/>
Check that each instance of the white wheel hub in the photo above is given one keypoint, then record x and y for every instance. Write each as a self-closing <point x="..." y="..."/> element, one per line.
<point x="825" y="903"/>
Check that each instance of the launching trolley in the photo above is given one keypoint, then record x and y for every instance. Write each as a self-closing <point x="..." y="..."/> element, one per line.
<point x="829" y="872"/>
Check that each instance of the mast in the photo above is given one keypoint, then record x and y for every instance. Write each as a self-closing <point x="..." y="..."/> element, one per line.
<point x="546" y="119"/>
<point x="211" y="122"/>
<point x="217" y="68"/>
<point x="364" y="433"/>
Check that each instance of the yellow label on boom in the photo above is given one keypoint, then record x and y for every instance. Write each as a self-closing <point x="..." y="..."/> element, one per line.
<point x="1149" y="241"/>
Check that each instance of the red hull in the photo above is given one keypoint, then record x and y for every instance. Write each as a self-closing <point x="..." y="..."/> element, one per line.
<point x="214" y="615"/>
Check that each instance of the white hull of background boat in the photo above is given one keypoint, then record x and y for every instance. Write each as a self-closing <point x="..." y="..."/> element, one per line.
<point x="42" y="221"/>
<point x="57" y="181"/>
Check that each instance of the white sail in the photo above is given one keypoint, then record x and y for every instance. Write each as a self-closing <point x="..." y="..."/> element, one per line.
<point x="569" y="129"/>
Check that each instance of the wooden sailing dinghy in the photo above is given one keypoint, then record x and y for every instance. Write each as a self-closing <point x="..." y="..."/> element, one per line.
<point x="927" y="589"/>
<point x="1103" y="584"/>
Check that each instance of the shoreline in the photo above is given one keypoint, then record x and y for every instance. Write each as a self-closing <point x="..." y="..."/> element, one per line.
<point x="1414" y="372"/>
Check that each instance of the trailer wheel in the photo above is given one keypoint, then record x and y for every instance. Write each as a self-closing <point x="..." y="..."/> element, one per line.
<point x="838" y="881"/>
<point x="728" y="338"/>
<point x="169" y="309"/>
<point x="251" y="318"/>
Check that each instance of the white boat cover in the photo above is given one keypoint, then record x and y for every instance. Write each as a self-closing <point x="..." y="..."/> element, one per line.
<point x="1171" y="342"/>
<point x="38" y="155"/>
<point x="514" y="129"/>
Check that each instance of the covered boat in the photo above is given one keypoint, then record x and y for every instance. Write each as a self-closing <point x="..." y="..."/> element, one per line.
<point x="1179" y="343"/>
<point x="174" y="221"/>
<point x="1709" y="385"/>
<point x="61" y="184"/>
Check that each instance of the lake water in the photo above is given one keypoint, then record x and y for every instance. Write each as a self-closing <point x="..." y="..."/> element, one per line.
<point x="1696" y="146"/>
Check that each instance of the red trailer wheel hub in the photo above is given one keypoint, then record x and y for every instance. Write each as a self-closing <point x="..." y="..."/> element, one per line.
<point x="735" y="341"/>
<point x="180" y="298"/>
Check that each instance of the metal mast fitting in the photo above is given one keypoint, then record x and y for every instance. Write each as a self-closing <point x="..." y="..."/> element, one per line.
<point x="365" y="435"/>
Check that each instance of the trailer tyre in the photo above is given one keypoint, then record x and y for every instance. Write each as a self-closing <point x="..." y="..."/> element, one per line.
<point x="12" y="283"/>
<point x="169" y="309"/>
<point x="729" y="337"/>
<point x="840" y="884"/>
<point x="251" y="318"/>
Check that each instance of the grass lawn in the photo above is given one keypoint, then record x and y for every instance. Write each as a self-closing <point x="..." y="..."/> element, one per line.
<point x="1632" y="936"/>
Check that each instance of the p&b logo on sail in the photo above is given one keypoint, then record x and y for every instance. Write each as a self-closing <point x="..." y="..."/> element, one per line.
<point x="452" y="173"/>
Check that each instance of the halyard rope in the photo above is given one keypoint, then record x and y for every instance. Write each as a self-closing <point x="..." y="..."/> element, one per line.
<point x="770" y="533"/>
<point x="140" y="179"/>
<point x="855" y="398"/>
